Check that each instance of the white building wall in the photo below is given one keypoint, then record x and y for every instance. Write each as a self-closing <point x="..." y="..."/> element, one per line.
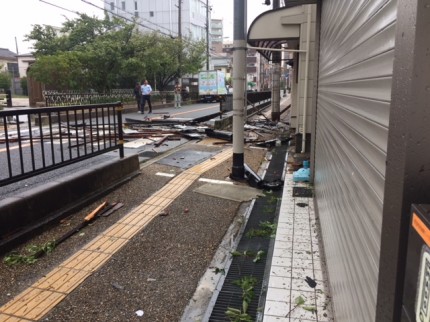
<point x="163" y="15"/>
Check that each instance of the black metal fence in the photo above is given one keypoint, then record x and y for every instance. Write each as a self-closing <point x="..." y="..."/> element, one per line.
<point x="66" y="98"/>
<point x="252" y="98"/>
<point x="34" y="141"/>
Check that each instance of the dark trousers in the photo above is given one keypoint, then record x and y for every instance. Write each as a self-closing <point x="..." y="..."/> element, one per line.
<point x="138" y="100"/>
<point x="146" y="98"/>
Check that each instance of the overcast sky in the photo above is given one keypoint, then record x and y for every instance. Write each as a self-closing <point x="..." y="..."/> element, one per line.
<point x="18" y="16"/>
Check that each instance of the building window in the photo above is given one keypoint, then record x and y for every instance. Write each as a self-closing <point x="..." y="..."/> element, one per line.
<point x="135" y="5"/>
<point x="151" y="13"/>
<point x="112" y="6"/>
<point x="136" y="14"/>
<point x="123" y="5"/>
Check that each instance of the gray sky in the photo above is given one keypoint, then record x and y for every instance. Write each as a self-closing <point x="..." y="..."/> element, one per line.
<point x="18" y="16"/>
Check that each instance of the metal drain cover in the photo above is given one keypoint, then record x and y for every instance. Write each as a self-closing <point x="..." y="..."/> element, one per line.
<point x="186" y="159"/>
<point x="302" y="192"/>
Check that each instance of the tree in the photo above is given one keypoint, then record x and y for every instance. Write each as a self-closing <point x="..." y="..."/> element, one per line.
<point x="5" y="79"/>
<point x="62" y="71"/>
<point x="165" y="59"/>
<point x="105" y="54"/>
<point x="24" y="85"/>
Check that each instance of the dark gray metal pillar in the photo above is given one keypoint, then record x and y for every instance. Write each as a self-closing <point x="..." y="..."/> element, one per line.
<point x="207" y="37"/>
<point x="407" y="177"/>
<point x="276" y="88"/>
<point x="239" y="82"/>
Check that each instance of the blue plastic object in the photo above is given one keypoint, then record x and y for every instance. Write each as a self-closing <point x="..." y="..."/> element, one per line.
<point x="306" y="164"/>
<point x="302" y="174"/>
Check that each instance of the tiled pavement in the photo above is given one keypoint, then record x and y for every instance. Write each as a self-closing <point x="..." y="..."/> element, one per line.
<point x="296" y="256"/>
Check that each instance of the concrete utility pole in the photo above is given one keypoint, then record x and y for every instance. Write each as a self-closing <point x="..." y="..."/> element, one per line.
<point x="180" y="40"/>
<point x="207" y="36"/>
<point x="180" y="19"/>
<point x="276" y="88"/>
<point x="239" y="82"/>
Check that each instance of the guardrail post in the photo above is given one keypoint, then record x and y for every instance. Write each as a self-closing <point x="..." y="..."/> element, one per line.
<point x="119" y="110"/>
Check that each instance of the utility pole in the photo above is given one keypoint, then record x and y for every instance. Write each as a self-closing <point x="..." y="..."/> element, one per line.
<point x="180" y="40"/>
<point x="239" y="77"/>
<point x="180" y="19"/>
<point x="276" y="88"/>
<point x="16" y="45"/>
<point x="207" y="36"/>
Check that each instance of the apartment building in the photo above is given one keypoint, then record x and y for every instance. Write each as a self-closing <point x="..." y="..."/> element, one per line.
<point x="163" y="16"/>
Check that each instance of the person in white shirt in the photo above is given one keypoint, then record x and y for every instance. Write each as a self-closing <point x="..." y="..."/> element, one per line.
<point x="146" y="96"/>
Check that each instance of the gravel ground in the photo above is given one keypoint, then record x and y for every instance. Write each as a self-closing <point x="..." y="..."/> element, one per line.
<point x="158" y="270"/>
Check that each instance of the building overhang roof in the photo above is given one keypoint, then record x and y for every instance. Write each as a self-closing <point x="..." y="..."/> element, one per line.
<point x="273" y="28"/>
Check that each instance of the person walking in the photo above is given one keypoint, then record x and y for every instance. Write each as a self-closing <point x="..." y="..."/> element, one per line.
<point x="146" y="96"/>
<point x="138" y="94"/>
<point x="177" y="92"/>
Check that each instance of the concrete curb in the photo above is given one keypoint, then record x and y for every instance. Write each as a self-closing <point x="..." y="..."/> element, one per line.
<point x="29" y="211"/>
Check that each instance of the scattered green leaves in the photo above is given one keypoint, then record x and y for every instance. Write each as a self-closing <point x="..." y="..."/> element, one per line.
<point x="247" y="253"/>
<point x="259" y="256"/>
<point x="300" y="301"/>
<point x="267" y="229"/>
<point x="311" y="309"/>
<point x="247" y="284"/>
<point x="34" y="252"/>
<point x="236" y="315"/>
<point x="219" y="270"/>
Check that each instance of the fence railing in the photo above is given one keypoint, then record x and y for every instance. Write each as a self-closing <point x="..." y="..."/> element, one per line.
<point x="34" y="141"/>
<point x="68" y="98"/>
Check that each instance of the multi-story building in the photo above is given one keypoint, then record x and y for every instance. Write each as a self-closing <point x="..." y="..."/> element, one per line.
<point x="216" y="35"/>
<point x="163" y="16"/>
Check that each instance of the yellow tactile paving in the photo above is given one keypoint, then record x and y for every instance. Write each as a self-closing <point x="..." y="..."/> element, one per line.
<point x="111" y="244"/>
<point x="64" y="280"/>
<point x="34" y="302"/>
<point x="8" y="318"/>
<point x="86" y="260"/>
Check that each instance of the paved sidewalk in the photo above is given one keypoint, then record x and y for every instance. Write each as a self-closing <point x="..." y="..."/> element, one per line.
<point x="297" y="263"/>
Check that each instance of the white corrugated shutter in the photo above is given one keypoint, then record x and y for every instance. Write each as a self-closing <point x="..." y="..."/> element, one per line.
<point x="355" y="76"/>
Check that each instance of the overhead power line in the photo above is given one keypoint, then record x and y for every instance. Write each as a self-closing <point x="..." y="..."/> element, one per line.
<point x="139" y="18"/>
<point x="59" y="7"/>
<point x="125" y="18"/>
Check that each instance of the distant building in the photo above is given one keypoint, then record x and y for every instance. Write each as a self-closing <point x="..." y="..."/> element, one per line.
<point x="163" y="16"/>
<point x="9" y="62"/>
<point x="217" y="35"/>
<point x="24" y="61"/>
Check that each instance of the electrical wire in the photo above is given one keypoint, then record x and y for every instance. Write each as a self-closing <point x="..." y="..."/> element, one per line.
<point x="139" y="18"/>
<point x="59" y="7"/>
<point x="125" y="18"/>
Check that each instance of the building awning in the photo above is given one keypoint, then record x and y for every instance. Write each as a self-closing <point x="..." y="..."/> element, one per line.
<point x="273" y="28"/>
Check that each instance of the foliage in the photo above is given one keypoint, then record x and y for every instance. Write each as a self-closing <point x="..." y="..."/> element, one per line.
<point x="247" y="284"/>
<point x="5" y="79"/>
<point x="107" y="53"/>
<point x="267" y="229"/>
<point x="246" y="253"/>
<point x="24" y="85"/>
<point x="166" y="59"/>
<point x="34" y="251"/>
<point x="299" y="302"/>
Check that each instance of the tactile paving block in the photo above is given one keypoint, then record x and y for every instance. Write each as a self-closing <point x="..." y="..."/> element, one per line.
<point x="33" y="303"/>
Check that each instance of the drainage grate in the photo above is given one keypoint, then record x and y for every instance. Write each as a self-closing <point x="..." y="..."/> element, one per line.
<point x="302" y="192"/>
<point x="186" y="158"/>
<point x="148" y="154"/>
<point x="265" y="209"/>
